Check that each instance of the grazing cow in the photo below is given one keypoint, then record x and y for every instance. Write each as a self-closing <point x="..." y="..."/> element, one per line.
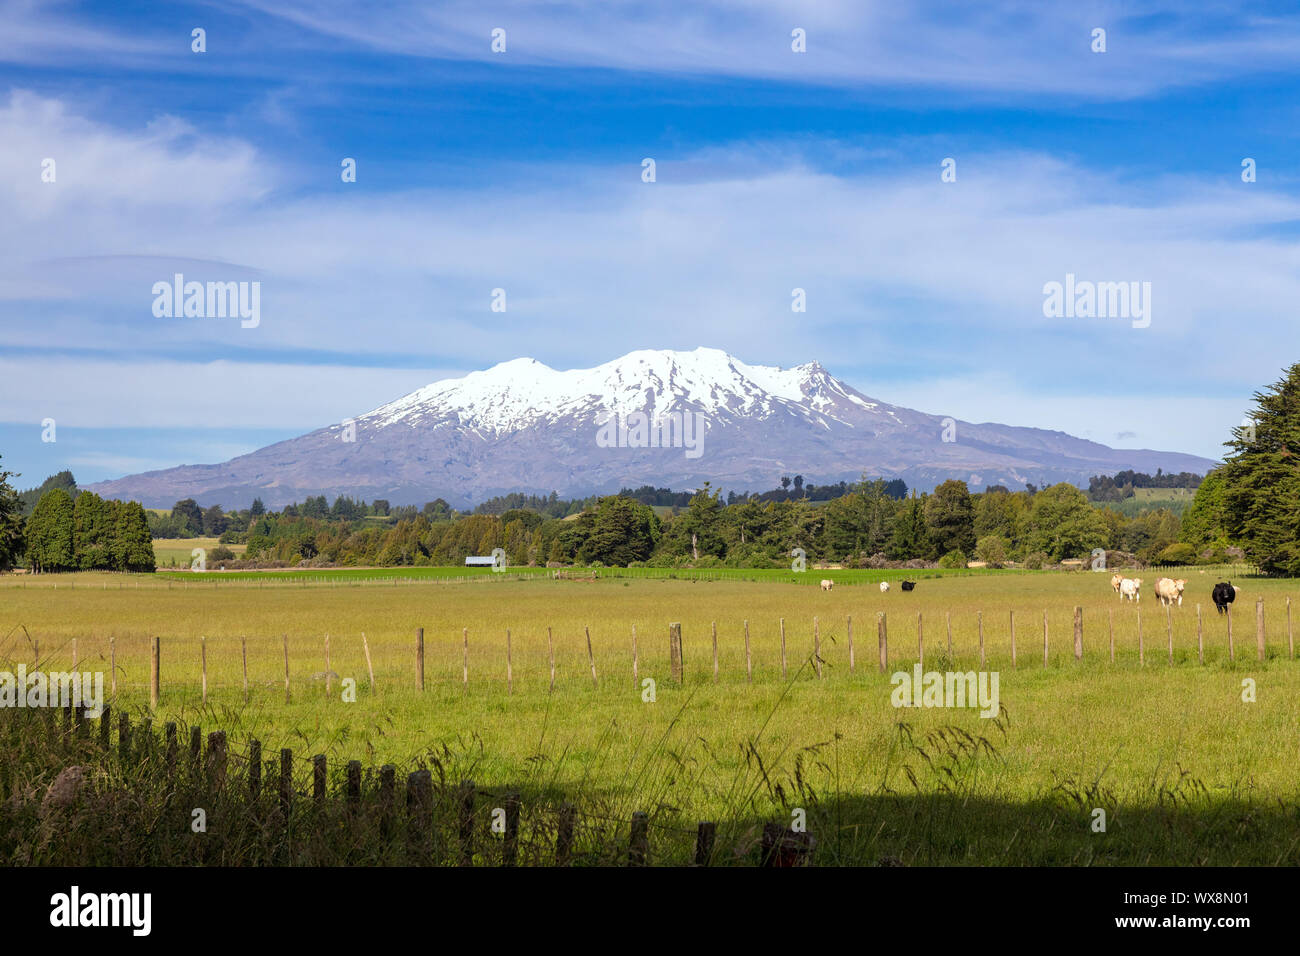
<point x="1223" y="595"/>
<point x="908" y="585"/>
<point x="884" y="586"/>
<point x="1114" y="581"/>
<point x="1131" y="588"/>
<point x="827" y="584"/>
<point x="1170" y="591"/>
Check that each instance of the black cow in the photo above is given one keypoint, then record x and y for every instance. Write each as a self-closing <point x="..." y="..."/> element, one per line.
<point x="1223" y="594"/>
<point x="908" y="585"/>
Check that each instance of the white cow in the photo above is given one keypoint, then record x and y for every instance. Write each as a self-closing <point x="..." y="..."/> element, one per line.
<point x="1114" y="581"/>
<point x="827" y="584"/>
<point x="884" y="586"/>
<point x="1130" y="588"/>
<point x="1170" y="591"/>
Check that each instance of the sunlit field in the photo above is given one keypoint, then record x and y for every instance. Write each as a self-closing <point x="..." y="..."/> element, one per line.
<point x="1186" y="769"/>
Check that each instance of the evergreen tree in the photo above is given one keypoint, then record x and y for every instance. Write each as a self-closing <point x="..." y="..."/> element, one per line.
<point x="1261" y="479"/>
<point x="132" y="546"/>
<point x="92" y="532"/>
<point x="950" y="518"/>
<point x="909" y="537"/>
<point x="11" y="522"/>
<point x="49" y="533"/>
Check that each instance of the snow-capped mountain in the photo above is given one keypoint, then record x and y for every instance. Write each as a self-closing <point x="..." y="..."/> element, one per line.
<point x="670" y="419"/>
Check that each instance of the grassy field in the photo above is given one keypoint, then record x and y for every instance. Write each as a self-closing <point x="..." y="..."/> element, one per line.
<point x="178" y="552"/>
<point x="1187" y="771"/>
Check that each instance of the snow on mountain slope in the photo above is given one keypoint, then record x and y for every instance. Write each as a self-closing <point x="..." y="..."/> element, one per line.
<point x="523" y="426"/>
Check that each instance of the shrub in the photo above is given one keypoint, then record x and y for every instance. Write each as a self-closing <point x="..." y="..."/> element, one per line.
<point x="992" y="550"/>
<point x="1035" y="560"/>
<point x="953" y="559"/>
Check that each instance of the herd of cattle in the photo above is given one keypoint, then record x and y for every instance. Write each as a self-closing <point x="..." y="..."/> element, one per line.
<point x="1168" y="590"/>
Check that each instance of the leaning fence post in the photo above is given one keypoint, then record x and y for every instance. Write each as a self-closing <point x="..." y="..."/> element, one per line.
<point x="1259" y="628"/>
<point x="591" y="658"/>
<point x="639" y="843"/>
<point x="1078" y="633"/>
<point x="365" y="646"/>
<point x="882" y="635"/>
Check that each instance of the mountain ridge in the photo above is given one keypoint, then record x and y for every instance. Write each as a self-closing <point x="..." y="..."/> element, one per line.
<point x="523" y="426"/>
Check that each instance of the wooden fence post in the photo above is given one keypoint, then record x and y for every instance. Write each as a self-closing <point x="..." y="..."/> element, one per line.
<point x="850" y="625"/>
<point x="354" y="785"/>
<point x="196" y="749"/>
<point x="1078" y="633"/>
<point x="979" y="621"/>
<point x="1200" y="638"/>
<point x="882" y="635"/>
<point x="286" y="781"/>
<point x="1169" y="632"/>
<point x="254" y="769"/>
<point x="1142" y="659"/>
<point x="172" y="745"/>
<point x="920" y="642"/>
<point x="636" y="661"/>
<point x="550" y="650"/>
<point x="155" y="673"/>
<point x="329" y="670"/>
<point x="715" y="652"/>
<point x="782" y="648"/>
<point x="365" y="646"/>
<point x="639" y="843"/>
<point x="243" y="652"/>
<point x="217" y="759"/>
<point x="105" y="727"/>
<point x="817" y="647"/>
<point x="1259" y="628"/>
<point x="1012" y="617"/>
<point x="591" y="658"/>
<point x="749" y="664"/>
<point x="419" y="658"/>
<point x="705" y="836"/>
<point x="947" y="621"/>
<point x="564" y="835"/>
<point x="1044" y="638"/>
<point x="203" y="665"/>
<point x="1290" y="642"/>
<point x="318" y="778"/>
<point x="387" y="799"/>
<point x="464" y="673"/>
<point x="510" y="667"/>
<point x="510" y="845"/>
<point x="419" y="813"/>
<point x="285" y="639"/>
<point x="675" y="651"/>
<point x="112" y="661"/>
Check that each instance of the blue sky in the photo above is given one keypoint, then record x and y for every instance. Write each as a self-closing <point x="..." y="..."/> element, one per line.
<point x="522" y="170"/>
